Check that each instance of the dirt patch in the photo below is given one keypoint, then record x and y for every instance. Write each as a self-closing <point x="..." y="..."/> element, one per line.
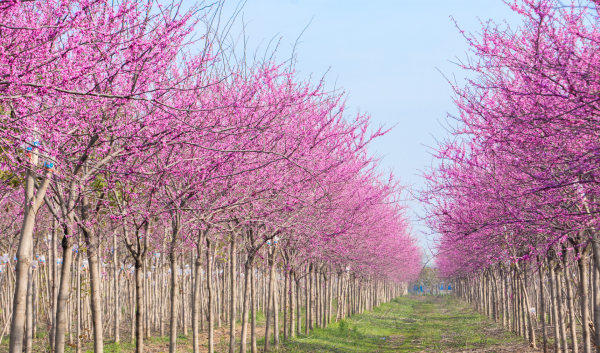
<point x="393" y="342"/>
<point x="509" y="348"/>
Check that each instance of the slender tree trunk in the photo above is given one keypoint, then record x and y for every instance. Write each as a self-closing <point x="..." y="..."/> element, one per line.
<point x="253" y="303"/>
<point x="232" y="284"/>
<point x="275" y="306"/>
<point x="54" y="285"/>
<point x="338" y="310"/>
<point x="543" y="310"/>
<point x="246" y="302"/>
<point x="554" y="305"/>
<point x="131" y="284"/>
<point x="269" y="303"/>
<point x="298" y="305"/>
<point x="570" y="306"/>
<point x="307" y="308"/>
<point x="36" y="297"/>
<point x="78" y="303"/>
<point x="211" y="309"/>
<point x="96" y="299"/>
<point x="220" y="295"/>
<point x="530" y="316"/>
<point x="561" y="319"/>
<point x="146" y="290"/>
<point x="596" y="301"/>
<point x="174" y="304"/>
<point x="117" y="311"/>
<point x="32" y="202"/>
<point x="583" y="264"/>
<point x="63" y="293"/>
<point x="29" y="313"/>
<point x="292" y="304"/>
<point x="197" y="303"/>
<point x="286" y="290"/>
<point x="139" y="319"/>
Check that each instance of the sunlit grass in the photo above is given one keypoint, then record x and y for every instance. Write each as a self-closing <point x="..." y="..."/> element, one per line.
<point x="407" y="325"/>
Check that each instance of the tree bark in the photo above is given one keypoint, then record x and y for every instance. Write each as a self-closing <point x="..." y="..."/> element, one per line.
<point x="530" y="316"/>
<point x="269" y="303"/>
<point x="63" y="292"/>
<point x="596" y="301"/>
<point x="173" y="304"/>
<point x="211" y="309"/>
<point x="78" y="303"/>
<point x="554" y="301"/>
<point x="292" y="304"/>
<point x="275" y="305"/>
<point x="54" y="286"/>
<point x="117" y="311"/>
<point x="96" y="298"/>
<point x="232" y="283"/>
<point x="570" y="306"/>
<point x="583" y="264"/>
<point x="253" y="303"/>
<point x="139" y="319"/>
<point x="32" y="203"/>
<point x="543" y="310"/>
<point x="246" y="302"/>
<point x="196" y="300"/>
<point x="29" y="313"/>
<point x="286" y="290"/>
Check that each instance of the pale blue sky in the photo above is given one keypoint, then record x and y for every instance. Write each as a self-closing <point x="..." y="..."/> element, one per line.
<point x="386" y="55"/>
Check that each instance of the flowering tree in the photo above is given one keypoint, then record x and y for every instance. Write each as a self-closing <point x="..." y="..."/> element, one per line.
<point x="119" y="126"/>
<point x="515" y="192"/>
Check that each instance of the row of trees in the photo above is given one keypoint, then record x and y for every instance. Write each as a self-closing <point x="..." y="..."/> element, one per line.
<point x="148" y="172"/>
<point x="515" y="193"/>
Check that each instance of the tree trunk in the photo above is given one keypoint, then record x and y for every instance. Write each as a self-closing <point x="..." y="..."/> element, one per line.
<point x="173" y="304"/>
<point x="117" y="310"/>
<point x="211" y="309"/>
<point x="269" y="303"/>
<point x="275" y="306"/>
<point x="286" y="290"/>
<point x="561" y="319"/>
<point x="63" y="293"/>
<point x="292" y="304"/>
<point x="29" y="313"/>
<point x="307" y="298"/>
<point x="583" y="287"/>
<point x="554" y="301"/>
<point x="570" y="306"/>
<point x="196" y="300"/>
<point x="543" y="310"/>
<point x="246" y="302"/>
<point x="78" y="303"/>
<point x="52" y="314"/>
<point x="596" y="301"/>
<point x="530" y="316"/>
<point x="298" y="305"/>
<point x="32" y="202"/>
<point x="96" y="299"/>
<point x="232" y="283"/>
<point x="139" y="319"/>
<point x="253" y="303"/>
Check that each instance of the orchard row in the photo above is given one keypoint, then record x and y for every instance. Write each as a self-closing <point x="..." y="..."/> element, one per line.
<point x="159" y="173"/>
<point x="515" y="192"/>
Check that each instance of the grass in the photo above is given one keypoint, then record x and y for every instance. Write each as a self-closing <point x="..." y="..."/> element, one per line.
<point x="408" y="324"/>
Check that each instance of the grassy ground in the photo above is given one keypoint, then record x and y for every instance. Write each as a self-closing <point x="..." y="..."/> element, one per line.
<point x="412" y="324"/>
<point x="408" y="324"/>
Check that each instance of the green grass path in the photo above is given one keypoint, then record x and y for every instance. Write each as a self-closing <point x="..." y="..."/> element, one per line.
<point x="412" y="324"/>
